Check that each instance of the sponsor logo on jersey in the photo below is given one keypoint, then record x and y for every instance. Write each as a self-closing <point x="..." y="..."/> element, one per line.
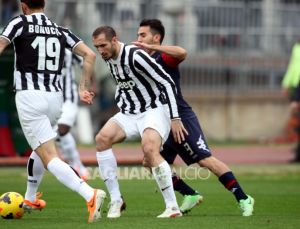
<point x="126" y="84"/>
<point x="201" y="144"/>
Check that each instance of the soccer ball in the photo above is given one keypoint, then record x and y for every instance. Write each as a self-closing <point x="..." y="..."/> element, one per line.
<point x="11" y="205"/>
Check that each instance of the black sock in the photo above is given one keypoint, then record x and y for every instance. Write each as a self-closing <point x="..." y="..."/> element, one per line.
<point x="180" y="186"/>
<point x="229" y="181"/>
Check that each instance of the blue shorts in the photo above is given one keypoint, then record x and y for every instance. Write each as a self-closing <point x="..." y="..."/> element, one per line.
<point x="192" y="150"/>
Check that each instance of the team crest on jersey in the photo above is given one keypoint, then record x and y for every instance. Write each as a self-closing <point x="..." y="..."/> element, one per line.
<point x="126" y="69"/>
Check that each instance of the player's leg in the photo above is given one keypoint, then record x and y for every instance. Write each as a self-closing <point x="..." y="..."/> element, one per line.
<point x="151" y="143"/>
<point x="197" y="146"/>
<point x="66" y="141"/>
<point x="178" y="184"/>
<point x="110" y="134"/>
<point x="191" y="198"/>
<point x="35" y="173"/>
<point x="70" y="178"/>
<point x="229" y="181"/>
<point x="171" y="149"/>
<point x="67" y="144"/>
<point x="155" y="132"/>
<point x="39" y="126"/>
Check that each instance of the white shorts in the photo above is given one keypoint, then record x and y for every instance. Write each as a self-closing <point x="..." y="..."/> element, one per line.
<point x="135" y="124"/>
<point x="69" y="113"/>
<point x="38" y="113"/>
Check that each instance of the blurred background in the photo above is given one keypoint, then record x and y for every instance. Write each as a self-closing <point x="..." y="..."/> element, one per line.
<point x="238" y="52"/>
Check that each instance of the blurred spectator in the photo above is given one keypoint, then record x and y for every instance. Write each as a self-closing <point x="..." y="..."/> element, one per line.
<point x="295" y="106"/>
<point x="291" y="90"/>
<point x="9" y="7"/>
<point x="107" y="11"/>
<point x="292" y="75"/>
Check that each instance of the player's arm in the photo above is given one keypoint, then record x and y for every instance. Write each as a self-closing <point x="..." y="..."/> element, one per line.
<point x="288" y="77"/>
<point x="173" y="51"/>
<point x="10" y="32"/>
<point x="89" y="58"/>
<point x="94" y="85"/>
<point x="3" y="43"/>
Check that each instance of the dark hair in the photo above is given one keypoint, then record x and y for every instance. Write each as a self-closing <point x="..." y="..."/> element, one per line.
<point x="156" y="27"/>
<point x="109" y="32"/>
<point x="34" y="4"/>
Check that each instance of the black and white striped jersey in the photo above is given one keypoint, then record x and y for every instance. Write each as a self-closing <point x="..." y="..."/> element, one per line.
<point x="39" y="51"/>
<point x="142" y="84"/>
<point x="69" y="86"/>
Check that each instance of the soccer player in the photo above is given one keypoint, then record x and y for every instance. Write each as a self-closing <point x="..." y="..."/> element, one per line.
<point x="146" y="96"/>
<point x="65" y="139"/>
<point x="39" y="51"/>
<point x="194" y="148"/>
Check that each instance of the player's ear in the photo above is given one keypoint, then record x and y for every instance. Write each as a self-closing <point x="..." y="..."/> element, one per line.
<point x="114" y="40"/>
<point x="44" y="3"/>
<point x="157" y="38"/>
<point x="24" y="7"/>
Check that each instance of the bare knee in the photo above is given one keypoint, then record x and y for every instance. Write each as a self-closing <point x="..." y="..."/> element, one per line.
<point x="214" y="165"/>
<point x="63" y="129"/>
<point x="103" y="141"/>
<point x="149" y="152"/>
<point x="209" y="162"/>
<point x="151" y="142"/>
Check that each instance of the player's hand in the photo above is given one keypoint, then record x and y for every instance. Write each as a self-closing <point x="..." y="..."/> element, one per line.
<point x="94" y="89"/>
<point x="143" y="46"/>
<point x="86" y="97"/>
<point x="177" y="130"/>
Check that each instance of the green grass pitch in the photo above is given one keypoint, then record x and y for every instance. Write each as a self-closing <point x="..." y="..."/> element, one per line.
<point x="276" y="190"/>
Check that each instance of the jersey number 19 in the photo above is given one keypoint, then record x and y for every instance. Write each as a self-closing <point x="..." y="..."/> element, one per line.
<point x="50" y="48"/>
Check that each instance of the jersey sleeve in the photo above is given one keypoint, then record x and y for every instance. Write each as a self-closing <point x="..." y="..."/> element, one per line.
<point x="143" y="62"/>
<point x="72" y="39"/>
<point x="288" y="77"/>
<point x="13" y="29"/>
<point x="171" y="61"/>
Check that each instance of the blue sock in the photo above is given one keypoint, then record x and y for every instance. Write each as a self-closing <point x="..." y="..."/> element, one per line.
<point x="180" y="186"/>
<point x="229" y="181"/>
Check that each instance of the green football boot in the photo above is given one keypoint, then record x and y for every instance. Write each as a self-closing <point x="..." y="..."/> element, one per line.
<point x="246" y="206"/>
<point x="190" y="201"/>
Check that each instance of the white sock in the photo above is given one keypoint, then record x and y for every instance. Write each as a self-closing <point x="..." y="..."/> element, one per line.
<point x="35" y="172"/>
<point x="163" y="176"/>
<point x="108" y="168"/>
<point x="66" y="175"/>
<point x="69" y="152"/>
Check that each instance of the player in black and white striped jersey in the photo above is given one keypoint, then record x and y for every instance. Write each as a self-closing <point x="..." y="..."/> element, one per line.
<point x="65" y="139"/>
<point x="39" y="53"/>
<point x="69" y="87"/>
<point x="146" y="96"/>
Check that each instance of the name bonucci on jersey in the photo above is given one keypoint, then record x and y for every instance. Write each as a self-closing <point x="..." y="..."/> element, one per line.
<point x="142" y="84"/>
<point x="41" y="48"/>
